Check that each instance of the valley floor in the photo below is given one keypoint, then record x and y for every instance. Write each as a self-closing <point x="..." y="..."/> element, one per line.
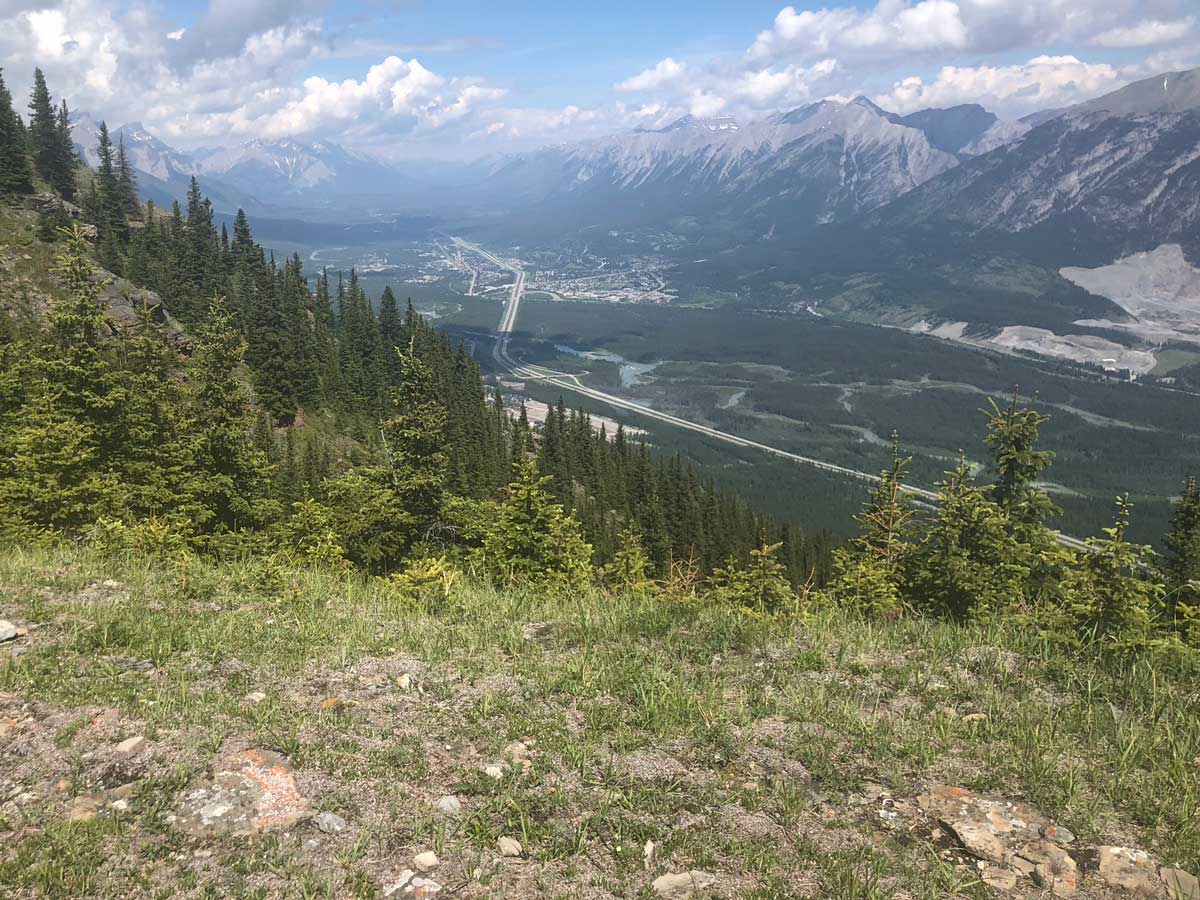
<point x="194" y="729"/>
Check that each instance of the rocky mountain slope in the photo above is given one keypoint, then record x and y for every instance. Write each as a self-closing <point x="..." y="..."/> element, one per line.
<point x="1114" y="175"/>
<point x="289" y="168"/>
<point x="259" y="175"/>
<point x="822" y="162"/>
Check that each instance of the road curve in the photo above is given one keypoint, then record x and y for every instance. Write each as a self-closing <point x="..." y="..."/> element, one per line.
<point x="572" y="383"/>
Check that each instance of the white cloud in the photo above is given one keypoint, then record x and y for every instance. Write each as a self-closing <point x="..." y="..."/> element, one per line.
<point x="1043" y="82"/>
<point x="704" y="104"/>
<point x="788" y="85"/>
<point x="893" y="29"/>
<point x="893" y="25"/>
<point x="1149" y="33"/>
<point x="250" y="68"/>
<point x="664" y="74"/>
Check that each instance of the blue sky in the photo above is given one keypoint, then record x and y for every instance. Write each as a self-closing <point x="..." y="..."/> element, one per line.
<point x="457" y="79"/>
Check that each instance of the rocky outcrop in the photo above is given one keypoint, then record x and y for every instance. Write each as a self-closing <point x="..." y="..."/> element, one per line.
<point x="1015" y="842"/>
<point x="253" y="792"/>
<point x="125" y="301"/>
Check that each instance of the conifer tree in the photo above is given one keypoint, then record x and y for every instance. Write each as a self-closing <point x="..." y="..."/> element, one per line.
<point x="1181" y="564"/>
<point x="416" y="439"/>
<point x="1109" y="598"/>
<point x="112" y="224"/>
<point x="869" y="574"/>
<point x="65" y="151"/>
<point x="1012" y="437"/>
<point x="630" y="566"/>
<point x="532" y="539"/>
<point x="51" y="160"/>
<point x="155" y="456"/>
<point x="760" y="587"/>
<point x="15" y="174"/>
<point x="127" y="183"/>
<point x="230" y="474"/>
<point x="61" y="474"/>
<point x="969" y="564"/>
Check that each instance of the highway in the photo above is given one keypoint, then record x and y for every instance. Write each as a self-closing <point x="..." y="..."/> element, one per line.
<point x="568" y="382"/>
<point x="509" y="318"/>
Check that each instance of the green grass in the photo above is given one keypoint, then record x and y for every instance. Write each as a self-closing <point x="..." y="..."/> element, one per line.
<point x="1106" y="748"/>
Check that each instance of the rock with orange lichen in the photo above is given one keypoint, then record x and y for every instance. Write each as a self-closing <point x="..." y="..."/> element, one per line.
<point x="253" y="792"/>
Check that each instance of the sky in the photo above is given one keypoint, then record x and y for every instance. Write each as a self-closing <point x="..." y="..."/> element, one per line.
<point x="457" y="80"/>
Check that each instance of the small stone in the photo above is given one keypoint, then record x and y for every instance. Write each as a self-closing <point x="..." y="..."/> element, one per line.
<point x="132" y="745"/>
<point x="62" y="786"/>
<point x="400" y="883"/>
<point x="124" y="791"/>
<point x="249" y="793"/>
<point x="648" y="856"/>
<point x="1133" y="870"/>
<point x="1000" y="879"/>
<point x="1053" y="867"/>
<point x="510" y="847"/>
<point x="120" y="805"/>
<point x="449" y="805"/>
<point x="256" y="697"/>
<point x="405" y="682"/>
<point x="980" y="839"/>
<point x="494" y="771"/>
<point x="426" y="862"/>
<point x="975" y="717"/>
<point x="8" y="631"/>
<point x="1057" y="834"/>
<point x="538" y="632"/>
<point x="331" y="823"/>
<point x="422" y="887"/>
<point x="680" y="885"/>
<point x="1181" y="885"/>
<point x="84" y="808"/>
<point x="333" y="705"/>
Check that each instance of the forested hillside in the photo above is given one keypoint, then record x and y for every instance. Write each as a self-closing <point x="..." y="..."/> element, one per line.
<point x="297" y="415"/>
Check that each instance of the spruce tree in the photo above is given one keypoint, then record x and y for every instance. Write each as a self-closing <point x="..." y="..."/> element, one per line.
<point x="127" y="182"/>
<point x="112" y="224"/>
<point x="1012" y="437"/>
<point x="15" y="174"/>
<point x="1110" y="599"/>
<point x="415" y="439"/>
<point x="1181" y="564"/>
<point x="969" y="564"/>
<point x="52" y="161"/>
<point x="230" y="474"/>
<point x="532" y="539"/>
<point x="43" y="129"/>
<point x="65" y="152"/>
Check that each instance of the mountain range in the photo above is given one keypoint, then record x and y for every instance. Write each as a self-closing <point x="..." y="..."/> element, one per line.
<point x="941" y="213"/>
<point x="260" y="176"/>
<point x="824" y="163"/>
<point x="831" y="159"/>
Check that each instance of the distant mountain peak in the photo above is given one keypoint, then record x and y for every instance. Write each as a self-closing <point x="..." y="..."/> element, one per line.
<point x="711" y="123"/>
<point x="867" y="103"/>
<point x="1171" y="92"/>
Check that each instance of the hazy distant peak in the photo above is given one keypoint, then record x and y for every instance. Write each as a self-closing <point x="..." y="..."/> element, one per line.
<point x="712" y="123"/>
<point x="867" y="103"/>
